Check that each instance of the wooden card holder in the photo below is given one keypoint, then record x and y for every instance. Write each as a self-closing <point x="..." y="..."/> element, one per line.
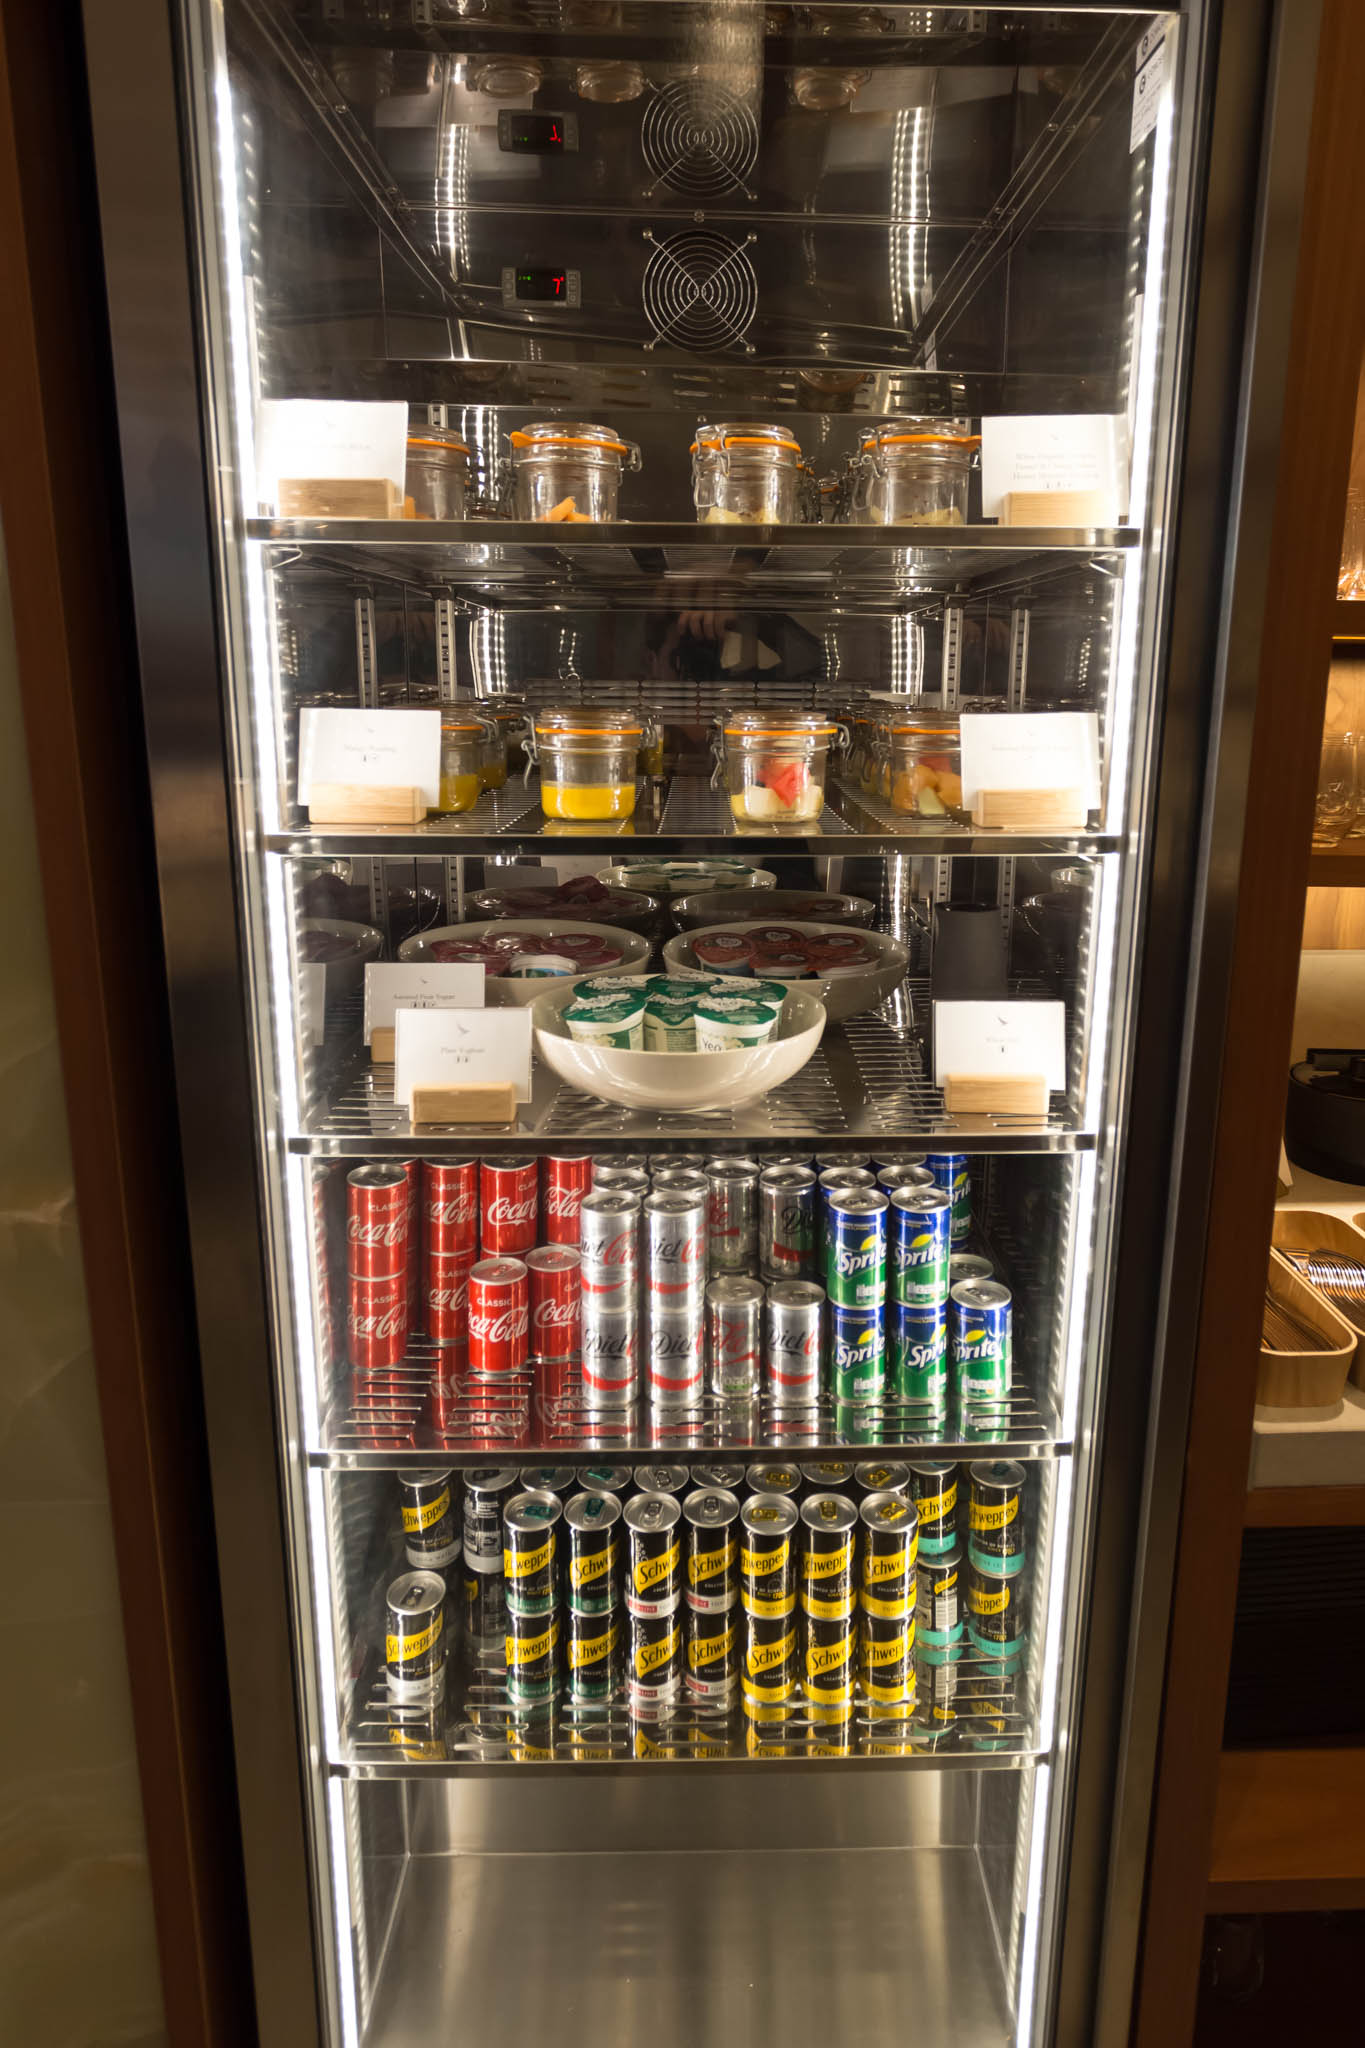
<point x="1030" y="810"/>
<point x="357" y="803"/>
<point x="996" y="1094"/>
<point x="1306" y="1230"/>
<point x="1304" y="1379"/>
<point x="328" y="497"/>
<point x="1056" y="508"/>
<point x="479" y="1102"/>
<point x="382" y="1042"/>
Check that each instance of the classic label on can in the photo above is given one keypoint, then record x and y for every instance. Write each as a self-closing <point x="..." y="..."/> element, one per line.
<point x="761" y="1564"/>
<point x="981" y="1602"/>
<point x="422" y="1516"/>
<point x="528" y="1649"/>
<point x="520" y="1564"/>
<point x="405" y="1649"/>
<point x="824" y="1658"/>
<point x="882" y="1565"/>
<point x="654" y="1656"/>
<point x="937" y="1507"/>
<point x="769" y="1610"/>
<point x="891" y="1650"/>
<point x="652" y="1571"/>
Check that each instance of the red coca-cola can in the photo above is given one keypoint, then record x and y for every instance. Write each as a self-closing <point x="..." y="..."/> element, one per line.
<point x="567" y="1178"/>
<point x="377" y="1322"/>
<point x="509" y="1196"/>
<point x="556" y="1301"/>
<point x="411" y="1169"/>
<point x="446" y="1299"/>
<point x="499" y="1317"/>
<point x="451" y="1205"/>
<point x="377" y="1224"/>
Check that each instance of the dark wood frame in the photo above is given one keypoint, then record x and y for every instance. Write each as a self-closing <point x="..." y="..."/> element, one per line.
<point x="1327" y="338"/>
<point x="59" y="485"/>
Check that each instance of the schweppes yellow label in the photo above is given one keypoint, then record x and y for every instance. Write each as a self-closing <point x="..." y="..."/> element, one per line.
<point x="711" y="1563"/>
<point x="703" y="1650"/>
<point x="652" y="1571"/>
<point x="403" y="1649"/>
<point x="412" y="1747"/>
<point x="520" y="1564"/>
<point x="653" y="1656"/>
<point x="423" y="1517"/>
<point x="760" y="1564"/>
<point x="761" y="1657"/>
<point x="889" y="1606"/>
<point x="583" y="1571"/>
<point x="894" y="1694"/>
<point x="895" y="1650"/>
<point x="524" y="1752"/>
<point x="936" y="1507"/>
<point x="526" y="1649"/>
<point x="838" y="1608"/>
<point x="592" y="1649"/>
<point x="942" y="1583"/>
<point x="646" y="1748"/>
<point x="988" y="1603"/>
<point x="823" y="1658"/>
<point x="770" y="1610"/>
<point x="769" y="1691"/>
<point x="828" y="1564"/>
<point x="890" y="1564"/>
<point x="991" y="1517"/>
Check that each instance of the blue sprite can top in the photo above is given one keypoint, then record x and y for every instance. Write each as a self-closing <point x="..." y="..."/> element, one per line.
<point x="835" y="1177"/>
<point x="855" y="1260"/>
<point x="899" y="1176"/>
<point x="948" y="1168"/>
<point x="981" y="1338"/>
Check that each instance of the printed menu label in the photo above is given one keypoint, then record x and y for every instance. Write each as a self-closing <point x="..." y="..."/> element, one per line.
<point x="1021" y="1038"/>
<point x="419" y="985"/>
<point x="454" y="1048"/>
<point x="377" y="749"/>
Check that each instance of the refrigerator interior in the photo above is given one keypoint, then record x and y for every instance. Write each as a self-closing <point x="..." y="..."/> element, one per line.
<point x="652" y="216"/>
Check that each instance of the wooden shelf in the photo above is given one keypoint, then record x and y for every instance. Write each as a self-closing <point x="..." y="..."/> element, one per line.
<point x="1341" y="868"/>
<point x="1305" y="1507"/>
<point x="1289" y="1832"/>
<point x="1348" y="619"/>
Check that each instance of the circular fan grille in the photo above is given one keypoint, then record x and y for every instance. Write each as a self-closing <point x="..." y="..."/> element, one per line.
<point x="700" y="292"/>
<point x="699" y="139"/>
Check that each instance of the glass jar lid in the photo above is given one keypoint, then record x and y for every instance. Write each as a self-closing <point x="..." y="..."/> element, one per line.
<point x="438" y="437"/>
<point x="926" y="729"/>
<point x="751" y="438"/>
<point x="582" y="721"/>
<point x="944" y="434"/>
<point x="464" y="721"/>
<point x="778" y="725"/>
<point x="550" y="436"/>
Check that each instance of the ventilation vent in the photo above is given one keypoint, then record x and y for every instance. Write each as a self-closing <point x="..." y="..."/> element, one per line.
<point x="699" y="140"/>
<point x="700" y="292"/>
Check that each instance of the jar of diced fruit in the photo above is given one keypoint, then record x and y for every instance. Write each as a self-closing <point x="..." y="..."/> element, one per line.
<point x="568" y="471"/>
<point x="914" y="473"/>
<point x="774" y="765"/>
<point x="748" y="474"/>
<point x="926" y="767"/>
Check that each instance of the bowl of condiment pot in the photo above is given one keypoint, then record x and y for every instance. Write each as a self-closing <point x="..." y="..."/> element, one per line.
<point x="521" y="989"/>
<point x="842" y="995"/>
<point x="705" y="907"/>
<point x="688" y="1081"/>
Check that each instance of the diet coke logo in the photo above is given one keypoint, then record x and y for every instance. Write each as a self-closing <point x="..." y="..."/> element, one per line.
<point x="617" y="1251"/>
<point x="555" y="1315"/>
<point x="392" y="1322"/>
<point x="673" y="1345"/>
<point x="358" y="1231"/>
<point x="791" y="1343"/>
<point x="679" y="1251"/>
<point x="502" y="1210"/>
<point x="499" y="1328"/>
<point x="608" y="1344"/>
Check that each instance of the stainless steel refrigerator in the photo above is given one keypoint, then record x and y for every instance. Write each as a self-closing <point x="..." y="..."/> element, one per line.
<point x="978" y="252"/>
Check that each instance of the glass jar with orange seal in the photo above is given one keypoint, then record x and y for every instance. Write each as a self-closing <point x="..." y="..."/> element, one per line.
<point x="926" y="767"/>
<point x="568" y="471"/>
<point x="914" y="473"/>
<point x="465" y="736"/>
<point x="747" y="474"/>
<point x="506" y="718"/>
<point x="588" y="761"/>
<point x="774" y="765"/>
<point x="437" y="473"/>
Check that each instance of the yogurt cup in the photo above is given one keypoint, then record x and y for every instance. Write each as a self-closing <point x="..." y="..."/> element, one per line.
<point x="536" y="966"/>
<point x="619" y="1024"/>
<point x="670" y="1027"/>
<point x="729" y="1024"/>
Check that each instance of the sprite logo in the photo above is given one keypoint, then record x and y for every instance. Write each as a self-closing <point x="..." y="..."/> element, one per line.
<point x="920" y="1250"/>
<point x="915" y="1357"/>
<point x="976" y="1344"/>
<point x="854" y="1351"/>
<point x="850" y="1259"/>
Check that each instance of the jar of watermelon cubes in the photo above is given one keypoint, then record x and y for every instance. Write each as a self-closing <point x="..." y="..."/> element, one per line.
<point x="774" y="765"/>
<point x="926" y="767"/>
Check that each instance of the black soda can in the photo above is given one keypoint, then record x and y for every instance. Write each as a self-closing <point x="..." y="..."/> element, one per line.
<point x="414" y="1637"/>
<point x="654" y="1670"/>
<point x="995" y="1528"/>
<point x="560" y="1479"/>
<point x="887" y="1664"/>
<point x="828" y="1658"/>
<point x="653" y="1555"/>
<point x="532" y="1652"/>
<point x="713" y="1656"/>
<point x="530" y="1551"/>
<point x="594" y="1550"/>
<point x="770" y="1658"/>
<point x="997" y="1618"/>
<point x="661" y="1479"/>
<point x="594" y="1642"/>
<point x="487" y="1490"/>
<point x="485" y="1605"/>
<point x="939" y="1601"/>
<point x="826" y="1475"/>
<point x="890" y="1553"/>
<point x="829" y="1526"/>
<point x="774" y="1478"/>
<point x="712" y="1516"/>
<point x="617" y="1479"/>
<point x="937" y="1677"/>
<point x="431" y="1534"/>
<point x="767" y="1556"/>
<point x="935" y="1490"/>
<point x="882" y="1476"/>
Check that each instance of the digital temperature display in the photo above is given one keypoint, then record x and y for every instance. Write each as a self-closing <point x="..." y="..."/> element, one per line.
<point x="541" y="285"/>
<point x="528" y="134"/>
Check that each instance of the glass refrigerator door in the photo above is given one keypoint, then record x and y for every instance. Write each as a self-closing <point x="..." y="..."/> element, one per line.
<point x="692" y="485"/>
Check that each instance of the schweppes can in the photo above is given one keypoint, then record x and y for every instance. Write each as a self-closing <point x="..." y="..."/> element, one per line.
<point x="654" y="1667"/>
<point x="712" y="1517"/>
<point x="531" y="1648"/>
<point x="937" y="1673"/>
<point x="887" y="1665"/>
<point x="890" y="1552"/>
<point x="770" y="1477"/>
<point x="653" y="1554"/>
<point x="829" y="1659"/>
<point x="767" y="1556"/>
<point x="826" y="1476"/>
<point x="829" y="1524"/>
<point x="414" y="1637"/>
<point x="997" y="1620"/>
<point x="590" y="1538"/>
<point x="712" y="1655"/>
<point x="882" y="1475"/>
<point x="939" y="1599"/>
<point x="995" y="1521"/>
<point x="769" y="1671"/>
<point x="530" y="1551"/>
<point x="593" y="1646"/>
<point x="935" y="1492"/>
<point x="431" y="1534"/>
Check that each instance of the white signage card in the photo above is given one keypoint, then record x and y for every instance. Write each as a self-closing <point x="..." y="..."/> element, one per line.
<point x="449" y="1048"/>
<point x="1068" y="451"/>
<point x="1150" y="62"/>
<point x="331" y="438"/>
<point x="379" y="749"/>
<point x="1030" y="750"/>
<point x="419" y="985"/>
<point x="313" y="1001"/>
<point x="1006" y="1038"/>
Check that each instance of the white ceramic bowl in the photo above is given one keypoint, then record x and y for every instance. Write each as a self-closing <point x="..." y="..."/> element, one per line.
<point x="503" y="989"/>
<point x="845" y="996"/>
<point x="681" y="884"/>
<point x="367" y="943"/>
<point x="679" y="1080"/>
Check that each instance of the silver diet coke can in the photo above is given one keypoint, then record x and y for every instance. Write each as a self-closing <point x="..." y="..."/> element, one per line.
<point x="610" y="1173"/>
<point x="674" y="1250"/>
<point x="791" y="1376"/>
<point x="680" y="1180"/>
<point x="732" y="1214"/>
<point x="610" y="1358"/>
<point x="609" y="1240"/>
<point x="676" y="1343"/>
<point x="788" y="1202"/>
<point x="734" y="1338"/>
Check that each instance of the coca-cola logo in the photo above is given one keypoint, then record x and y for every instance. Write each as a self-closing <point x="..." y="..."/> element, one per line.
<point x="460" y="1209"/>
<point x="555" y="1315"/>
<point x="376" y="1233"/>
<point x="499" y="1328"/>
<point x="502" y="1210"/>
<point x="391" y="1322"/>
<point x="735" y="1345"/>
<point x="563" y="1201"/>
<point x="446" y="1299"/>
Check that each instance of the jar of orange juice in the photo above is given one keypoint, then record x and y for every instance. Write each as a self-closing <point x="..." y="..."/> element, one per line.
<point x="588" y="761"/>
<point x="465" y="738"/>
<point x="926" y="766"/>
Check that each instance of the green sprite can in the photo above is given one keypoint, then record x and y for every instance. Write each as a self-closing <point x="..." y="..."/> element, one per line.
<point x="855" y="1251"/>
